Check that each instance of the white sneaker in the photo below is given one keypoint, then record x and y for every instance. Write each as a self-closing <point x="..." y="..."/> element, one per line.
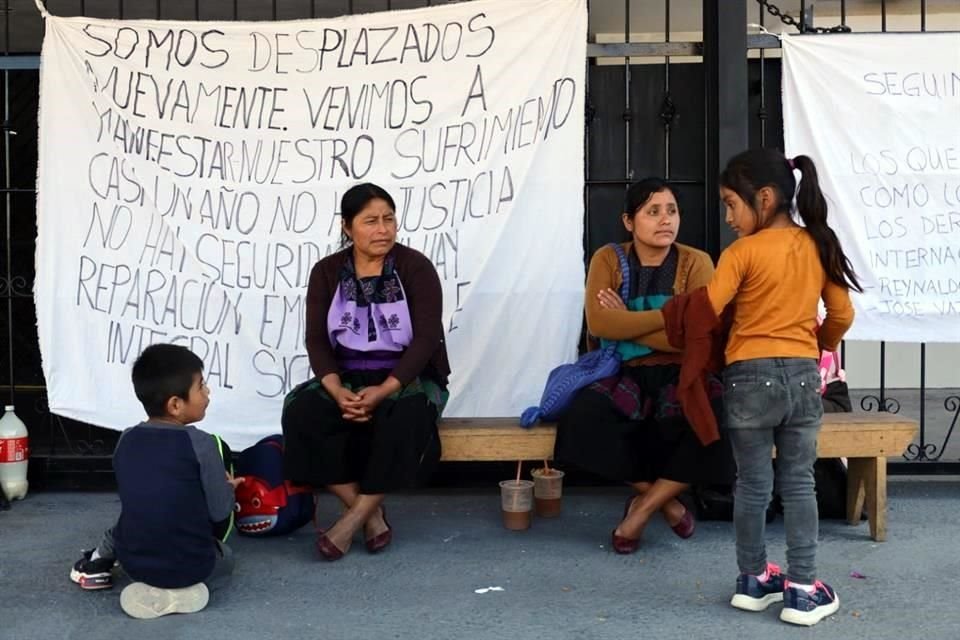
<point x="753" y="595"/>
<point x="140" y="600"/>
<point x="807" y="609"/>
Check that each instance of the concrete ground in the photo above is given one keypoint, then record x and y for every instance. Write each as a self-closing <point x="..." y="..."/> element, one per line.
<point x="560" y="579"/>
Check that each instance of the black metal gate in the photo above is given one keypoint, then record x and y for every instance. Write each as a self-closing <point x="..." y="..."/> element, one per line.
<point x="647" y="114"/>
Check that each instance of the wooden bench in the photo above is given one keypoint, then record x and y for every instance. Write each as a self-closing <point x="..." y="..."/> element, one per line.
<point x="865" y="439"/>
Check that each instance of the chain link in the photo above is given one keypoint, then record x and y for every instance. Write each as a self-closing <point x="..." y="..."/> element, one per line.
<point x="800" y="26"/>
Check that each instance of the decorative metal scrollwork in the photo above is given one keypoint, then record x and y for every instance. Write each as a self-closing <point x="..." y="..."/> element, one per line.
<point x="15" y="287"/>
<point x="874" y="403"/>
<point x="927" y="451"/>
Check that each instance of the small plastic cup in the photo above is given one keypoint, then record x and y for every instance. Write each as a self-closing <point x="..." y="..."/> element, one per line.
<point x="547" y="491"/>
<point x="516" y="503"/>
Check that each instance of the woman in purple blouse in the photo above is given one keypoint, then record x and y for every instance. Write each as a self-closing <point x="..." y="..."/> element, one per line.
<point x="366" y="424"/>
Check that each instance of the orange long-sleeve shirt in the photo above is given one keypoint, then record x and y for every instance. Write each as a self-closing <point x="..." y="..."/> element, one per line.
<point x="694" y="269"/>
<point x="776" y="280"/>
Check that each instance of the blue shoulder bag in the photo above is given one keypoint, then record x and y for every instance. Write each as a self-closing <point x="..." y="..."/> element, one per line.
<point x="565" y="381"/>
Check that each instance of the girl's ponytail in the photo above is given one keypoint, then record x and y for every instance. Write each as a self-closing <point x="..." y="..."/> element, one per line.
<point x="812" y="207"/>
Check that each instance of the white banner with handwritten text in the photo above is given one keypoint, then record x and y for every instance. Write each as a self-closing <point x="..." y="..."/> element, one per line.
<point x="190" y="177"/>
<point x="880" y="115"/>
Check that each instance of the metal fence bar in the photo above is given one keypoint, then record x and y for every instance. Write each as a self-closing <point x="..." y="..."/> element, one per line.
<point x="586" y="149"/>
<point x="762" y="113"/>
<point x="665" y="49"/>
<point x="923" y="396"/>
<point x="883" y="376"/>
<point x="624" y="182"/>
<point x="643" y="49"/>
<point x="8" y="284"/>
<point x="627" y="115"/>
<point x="726" y="105"/>
<point x="6" y="28"/>
<point x="667" y="109"/>
<point x="17" y="62"/>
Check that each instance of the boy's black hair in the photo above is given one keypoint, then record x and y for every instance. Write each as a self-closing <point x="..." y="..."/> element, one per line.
<point x="161" y="372"/>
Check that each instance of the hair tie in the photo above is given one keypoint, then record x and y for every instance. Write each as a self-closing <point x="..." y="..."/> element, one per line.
<point x="791" y="164"/>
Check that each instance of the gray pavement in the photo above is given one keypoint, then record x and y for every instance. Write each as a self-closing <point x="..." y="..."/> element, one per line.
<point x="560" y="578"/>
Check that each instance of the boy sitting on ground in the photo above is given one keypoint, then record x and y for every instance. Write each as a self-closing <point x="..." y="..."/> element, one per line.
<point x="176" y="501"/>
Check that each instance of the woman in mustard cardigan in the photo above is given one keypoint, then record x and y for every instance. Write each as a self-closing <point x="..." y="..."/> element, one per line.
<point x="630" y="428"/>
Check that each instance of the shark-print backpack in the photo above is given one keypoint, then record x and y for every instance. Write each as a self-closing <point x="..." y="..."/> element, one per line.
<point x="268" y="505"/>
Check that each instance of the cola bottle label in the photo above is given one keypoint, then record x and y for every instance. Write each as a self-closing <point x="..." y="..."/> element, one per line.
<point x="14" y="449"/>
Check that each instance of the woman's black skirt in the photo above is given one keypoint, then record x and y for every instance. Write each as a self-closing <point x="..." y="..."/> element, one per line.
<point x="397" y="449"/>
<point x="632" y="430"/>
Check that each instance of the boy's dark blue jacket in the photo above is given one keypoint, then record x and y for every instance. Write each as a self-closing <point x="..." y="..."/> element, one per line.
<point x="174" y="494"/>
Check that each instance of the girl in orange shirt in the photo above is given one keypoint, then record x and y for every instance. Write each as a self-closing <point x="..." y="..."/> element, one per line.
<point x="776" y="273"/>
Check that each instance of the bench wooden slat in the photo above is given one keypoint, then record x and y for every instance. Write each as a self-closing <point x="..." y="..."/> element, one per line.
<point x="854" y="441"/>
<point x="866" y="439"/>
<point x="496" y="439"/>
<point x="848" y="435"/>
